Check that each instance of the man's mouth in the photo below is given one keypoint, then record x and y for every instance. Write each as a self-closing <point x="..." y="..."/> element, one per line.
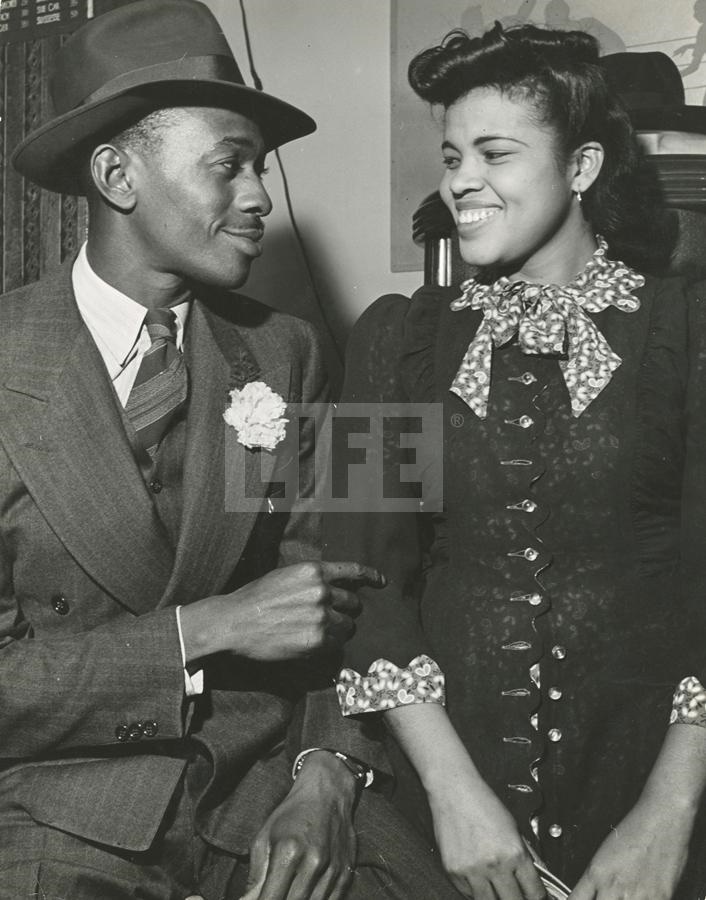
<point x="252" y="234"/>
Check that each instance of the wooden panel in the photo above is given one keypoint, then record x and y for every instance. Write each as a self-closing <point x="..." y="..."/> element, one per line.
<point x="13" y="196"/>
<point x="38" y="229"/>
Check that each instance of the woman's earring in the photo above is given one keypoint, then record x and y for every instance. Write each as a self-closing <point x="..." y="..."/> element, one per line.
<point x="578" y="195"/>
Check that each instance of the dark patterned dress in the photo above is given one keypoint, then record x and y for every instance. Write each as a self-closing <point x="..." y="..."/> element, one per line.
<point x="561" y="593"/>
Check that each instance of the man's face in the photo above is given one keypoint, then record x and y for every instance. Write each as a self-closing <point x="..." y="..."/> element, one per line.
<point x="200" y="197"/>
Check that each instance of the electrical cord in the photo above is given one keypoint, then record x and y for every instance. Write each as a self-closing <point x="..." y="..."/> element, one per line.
<point x="257" y="82"/>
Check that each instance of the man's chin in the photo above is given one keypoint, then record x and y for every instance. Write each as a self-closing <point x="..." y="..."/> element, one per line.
<point x="223" y="279"/>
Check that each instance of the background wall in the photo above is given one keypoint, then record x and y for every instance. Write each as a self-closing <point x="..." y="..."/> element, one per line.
<point x="332" y="58"/>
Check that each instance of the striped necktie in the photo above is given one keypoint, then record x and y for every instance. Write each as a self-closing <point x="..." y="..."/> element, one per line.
<point x="160" y="386"/>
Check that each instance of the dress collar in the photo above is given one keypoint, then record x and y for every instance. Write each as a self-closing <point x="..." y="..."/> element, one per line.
<point x="547" y="320"/>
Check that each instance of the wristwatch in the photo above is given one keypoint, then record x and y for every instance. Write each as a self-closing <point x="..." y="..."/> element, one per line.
<point x="362" y="772"/>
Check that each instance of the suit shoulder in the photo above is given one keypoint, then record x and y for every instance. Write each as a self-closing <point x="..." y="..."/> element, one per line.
<point x="265" y="328"/>
<point x="13" y="304"/>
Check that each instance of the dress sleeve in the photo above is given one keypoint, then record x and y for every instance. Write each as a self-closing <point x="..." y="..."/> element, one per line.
<point x="693" y="513"/>
<point x="387" y="662"/>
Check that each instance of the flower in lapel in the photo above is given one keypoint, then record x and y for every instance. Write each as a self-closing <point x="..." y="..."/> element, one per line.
<point x="257" y="414"/>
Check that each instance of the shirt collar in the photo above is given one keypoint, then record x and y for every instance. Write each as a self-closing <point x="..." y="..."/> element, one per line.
<point x="113" y="318"/>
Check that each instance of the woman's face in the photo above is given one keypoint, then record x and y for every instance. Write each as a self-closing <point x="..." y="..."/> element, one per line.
<point x="511" y="199"/>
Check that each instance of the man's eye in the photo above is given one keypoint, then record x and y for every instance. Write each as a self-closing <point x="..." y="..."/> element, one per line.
<point x="493" y="155"/>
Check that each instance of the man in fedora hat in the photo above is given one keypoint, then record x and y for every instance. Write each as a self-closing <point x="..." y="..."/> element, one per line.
<point x="153" y="644"/>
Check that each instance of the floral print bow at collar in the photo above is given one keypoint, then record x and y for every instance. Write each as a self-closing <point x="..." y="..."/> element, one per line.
<point x="549" y="320"/>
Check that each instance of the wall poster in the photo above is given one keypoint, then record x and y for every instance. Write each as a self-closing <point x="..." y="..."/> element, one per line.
<point x="24" y="20"/>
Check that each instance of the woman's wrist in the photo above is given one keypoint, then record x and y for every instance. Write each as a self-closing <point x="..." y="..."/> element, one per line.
<point x="678" y="778"/>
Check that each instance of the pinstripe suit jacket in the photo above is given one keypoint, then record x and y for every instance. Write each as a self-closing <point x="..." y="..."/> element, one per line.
<point x="77" y="521"/>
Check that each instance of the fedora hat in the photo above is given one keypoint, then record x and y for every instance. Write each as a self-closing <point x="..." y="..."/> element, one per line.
<point x="127" y="62"/>
<point x="651" y="88"/>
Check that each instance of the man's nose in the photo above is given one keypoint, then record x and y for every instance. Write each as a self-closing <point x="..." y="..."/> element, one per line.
<point x="253" y="198"/>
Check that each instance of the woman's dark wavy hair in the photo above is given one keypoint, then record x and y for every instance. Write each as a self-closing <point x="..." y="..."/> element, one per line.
<point x="558" y="73"/>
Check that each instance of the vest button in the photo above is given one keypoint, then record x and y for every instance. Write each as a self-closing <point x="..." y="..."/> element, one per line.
<point x="60" y="605"/>
<point x="156" y="485"/>
<point x="555" y="831"/>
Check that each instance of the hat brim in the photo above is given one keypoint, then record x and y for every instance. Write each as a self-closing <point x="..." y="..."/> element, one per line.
<point x="680" y="118"/>
<point x="50" y="155"/>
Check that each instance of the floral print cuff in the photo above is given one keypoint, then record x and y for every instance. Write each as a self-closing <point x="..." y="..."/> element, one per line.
<point x="689" y="704"/>
<point x="386" y="686"/>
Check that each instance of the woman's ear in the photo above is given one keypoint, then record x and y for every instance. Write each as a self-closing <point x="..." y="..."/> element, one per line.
<point x="111" y="173"/>
<point x="588" y="163"/>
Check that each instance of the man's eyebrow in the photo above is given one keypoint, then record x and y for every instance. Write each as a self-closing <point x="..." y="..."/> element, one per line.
<point x="235" y="141"/>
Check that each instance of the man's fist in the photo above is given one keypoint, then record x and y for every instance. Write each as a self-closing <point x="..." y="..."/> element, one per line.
<point x="289" y="613"/>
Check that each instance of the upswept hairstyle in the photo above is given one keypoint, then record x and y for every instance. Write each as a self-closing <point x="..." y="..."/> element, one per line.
<point x="558" y="74"/>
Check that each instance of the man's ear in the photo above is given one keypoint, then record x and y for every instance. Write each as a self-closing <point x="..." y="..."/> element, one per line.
<point x="589" y="161"/>
<point x="111" y="173"/>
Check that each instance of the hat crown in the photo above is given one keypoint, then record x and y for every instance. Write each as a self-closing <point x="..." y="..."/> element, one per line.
<point x="137" y="37"/>
<point x="126" y="63"/>
<point x="644" y="79"/>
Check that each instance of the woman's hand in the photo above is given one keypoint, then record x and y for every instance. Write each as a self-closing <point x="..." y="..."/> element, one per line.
<point x="643" y="858"/>
<point x="481" y="848"/>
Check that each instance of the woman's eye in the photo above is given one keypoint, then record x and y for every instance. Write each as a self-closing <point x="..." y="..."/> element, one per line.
<point x="493" y="155"/>
<point x="450" y="162"/>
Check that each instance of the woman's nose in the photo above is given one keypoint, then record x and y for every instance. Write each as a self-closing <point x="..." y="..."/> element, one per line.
<point x="465" y="178"/>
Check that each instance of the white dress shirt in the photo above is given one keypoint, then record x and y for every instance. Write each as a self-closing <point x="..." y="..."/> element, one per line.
<point x="116" y="325"/>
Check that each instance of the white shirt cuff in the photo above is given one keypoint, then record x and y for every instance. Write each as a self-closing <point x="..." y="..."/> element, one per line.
<point x="193" y="683"/>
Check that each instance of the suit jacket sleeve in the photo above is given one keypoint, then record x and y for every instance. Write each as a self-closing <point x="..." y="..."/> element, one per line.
<point x="61" y="688"/>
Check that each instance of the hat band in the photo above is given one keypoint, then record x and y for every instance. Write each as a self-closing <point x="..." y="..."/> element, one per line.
<point x="188" y="68"/>
<point x="650" y="99"/>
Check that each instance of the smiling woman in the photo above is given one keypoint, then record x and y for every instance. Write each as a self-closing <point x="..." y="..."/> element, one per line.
<point x="541" y="624"/>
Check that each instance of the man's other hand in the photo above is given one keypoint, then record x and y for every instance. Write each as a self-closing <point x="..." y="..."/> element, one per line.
<point x="290" y="613"/>
<point x="306" y="849"/>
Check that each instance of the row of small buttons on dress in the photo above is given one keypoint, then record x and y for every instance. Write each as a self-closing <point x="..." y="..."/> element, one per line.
<point x="531" y="554"/>
<point x="135" y="731"/>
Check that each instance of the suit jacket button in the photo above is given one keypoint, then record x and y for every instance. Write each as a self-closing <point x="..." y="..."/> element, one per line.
<point x="60" y="605"/>
<point x="134" y="732"/>
<point x="156" y="485"/>
<point x="121" y="733"/>
<point x="149" y="728"/>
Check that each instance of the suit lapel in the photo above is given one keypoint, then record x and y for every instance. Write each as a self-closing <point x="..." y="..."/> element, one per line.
<point x="213" y="532"/>
<point x="61" y="426"/>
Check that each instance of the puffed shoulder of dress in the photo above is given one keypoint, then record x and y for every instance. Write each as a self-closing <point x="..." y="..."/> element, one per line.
<point x="391" y="347"/>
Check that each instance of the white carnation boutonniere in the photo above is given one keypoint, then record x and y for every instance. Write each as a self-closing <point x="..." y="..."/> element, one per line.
<point x="257" y="414"/>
